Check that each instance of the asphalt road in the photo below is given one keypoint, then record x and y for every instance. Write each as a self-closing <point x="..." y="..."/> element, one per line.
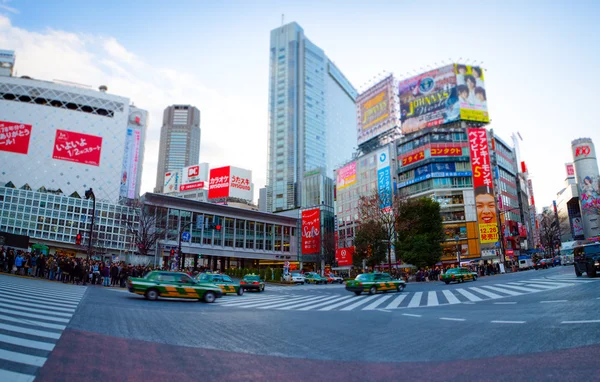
<point x="535" y="325"/>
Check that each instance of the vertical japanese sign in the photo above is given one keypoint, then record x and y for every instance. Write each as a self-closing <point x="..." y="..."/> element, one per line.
<point x="570" y="169"/>
<point x="77" y="147"/>
<point x="14" y="137"/>
<point x="483" y="185"/>
<point x="135" y="163"/>
<point x="218" y="184"/>
<point x="172" y="179"/>
<point x="384" y="179"/>
<point x="311" y="231"/>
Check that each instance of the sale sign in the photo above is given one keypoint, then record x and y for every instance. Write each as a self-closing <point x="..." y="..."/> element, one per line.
<point x="311" y="231"/>
<point x="452" y="151"/>
<point x="344" y="256"/>
<point x="14" y="137"/>
<point x="218" y="185"/>
<point x="77" y="147"/>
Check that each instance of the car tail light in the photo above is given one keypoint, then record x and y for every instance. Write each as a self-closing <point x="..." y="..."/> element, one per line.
<point x="359" y="284"/>
<point x="242" y="282"/>
<point x="452" y="276"/>
<point x="255" y="283"/>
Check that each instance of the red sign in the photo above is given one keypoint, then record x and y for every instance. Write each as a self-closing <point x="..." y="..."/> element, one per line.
<point x="523" y="167"/>
<point x="14" y="137"/>
<point x="412" y="158"/>
<point x="582" y="150"/>
<point x="191" y="186"/>
<point x="480" y="157"/>
<point x="193" y="171"/>
<point x="218" y="184"/>
<point x="344" y="256"/>
<point x="311" y="231"/>
<point x="453" y="151"/>
<point x="510" y="252"/>
<point x="77" y="147"/>
<point x="570" y="169"/>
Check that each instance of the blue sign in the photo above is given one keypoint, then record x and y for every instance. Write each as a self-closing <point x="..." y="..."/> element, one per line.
<point x="384" y="186"/>
<point x="186" y="236"/>
<point x="434" y="175"/>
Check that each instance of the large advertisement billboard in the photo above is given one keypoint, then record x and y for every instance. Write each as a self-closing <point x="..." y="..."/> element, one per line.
<point x="240" y="183"/>
<point x="172" y="180"/>
<point x="375" y="110"/>
<point x="384" y="179"/>
<point x="443" y="95"/>
<point x="77" y="147"/>
<point x="14" y="137"/>
<point x="485" y="202"/>
<point x="131" y="162"/>
<point x="218" y="184"/>
<point x="311" y="231"/>
<point x="343" y="256"/>
<point x="588" y="182"/>
<point x="193" y="178"/>
<point x="346" y="176"/>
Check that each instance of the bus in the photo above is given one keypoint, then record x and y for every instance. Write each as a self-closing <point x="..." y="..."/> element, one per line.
<point x="587" y="259"/>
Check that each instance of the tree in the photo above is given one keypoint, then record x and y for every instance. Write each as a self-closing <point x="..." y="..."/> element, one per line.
<point x="370" y="244"/>
<point x="549" y="231"/>
<point x="142" y="226"/>
<point x="419" y="232"/>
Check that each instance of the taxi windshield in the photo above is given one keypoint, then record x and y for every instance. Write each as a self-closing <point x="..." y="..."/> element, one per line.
<point x="452" y="270"/>
<point x="363" y="277"/>
<point x="252" y="278"/>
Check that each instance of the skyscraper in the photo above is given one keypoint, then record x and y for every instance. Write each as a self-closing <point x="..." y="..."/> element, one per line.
<point x="312" y="116"/>
<point x="179" y="141"/>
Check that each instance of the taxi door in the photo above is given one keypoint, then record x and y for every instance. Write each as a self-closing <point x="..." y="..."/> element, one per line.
<point x="186" y="287"/>
<point x="380" y="282"/>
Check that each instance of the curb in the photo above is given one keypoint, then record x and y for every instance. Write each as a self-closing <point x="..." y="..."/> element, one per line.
<point x="50" y="281"/>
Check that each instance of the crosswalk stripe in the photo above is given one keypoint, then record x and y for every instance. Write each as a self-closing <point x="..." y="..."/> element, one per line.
<point x="359" y="303"/>
<point x="303" y="305"/>
<point x="542" y="286"/>
<point x="6" y="375"/>
<point x="43" y="287"/>
<point x="26" y="343"/>
<point x="337" y="302"/>
<point x="248" y="299"/>
<point x="36" y="295"/>
<point x="432" y="299"/>
<point x="470" y="296"/>
<point x="25" y="359"/>
<point x="288" y="302"/>
<point x="415" y="300"/>
<point x="250" y="303"/>
<point x="41" y="293"/>
<point x="450" y="297"/>
<point x="486" y="293"/>
<point x="33" y="332"/>
<point x="17" y="301"/>
<point x="28" y="298"/>
<point x="38" y="316"/>
<point x="556" y="283"/>
<point x="31" y="322"/>
<point x="502" y="290"/>
<point x="396" y="302"/>
<point x="521" y="288"/>
<point x="34" y="310"/>
<point x="376" y="303"/>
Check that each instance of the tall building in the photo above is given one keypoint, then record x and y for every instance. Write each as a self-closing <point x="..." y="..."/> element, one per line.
<point x="588" y="182"/>
<point x="312" y="116"/>
<point x="179" y="141"/>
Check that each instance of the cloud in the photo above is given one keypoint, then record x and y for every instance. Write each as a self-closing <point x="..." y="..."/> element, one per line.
<point x="5" y="7"/>
<point x="234" y="129"/>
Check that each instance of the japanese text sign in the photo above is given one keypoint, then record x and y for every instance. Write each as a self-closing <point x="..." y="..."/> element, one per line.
<point x="480" y="157"/>
<point x="77" y="147"/>
<point x="412" y="158"/>
<point x="344" y="256"/>
<point x="14" y="137"/>
<point x="311" y="231"/>
<point x="346" y="176"/>
<point x="218" y="185"/>
<point x="452" y="151"/>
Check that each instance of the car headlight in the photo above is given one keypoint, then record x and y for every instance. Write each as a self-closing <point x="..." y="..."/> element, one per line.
<point x="596" y="264"/>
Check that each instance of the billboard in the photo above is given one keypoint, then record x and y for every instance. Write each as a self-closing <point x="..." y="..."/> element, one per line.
<point x="240" y="183"/>
<point x="77" y="147"/>
<point x="344" y="256"/>
<point x="193" y="178"/>
<point x="218" y="184"/>
<point x="384" y="179"/>
<point x="375" y="110"/>
<point x="443" y="95"/>
<point x="485" y="202"/>
<point x="570" y="169"/>
<point x="346" y="176"/>
<point x="131" y="163"/>
<point x="14" y="137"/>
<point x="588" y="183"/>
<point x="449" y="151"/>
<point x="172" y="180"/>
<point x="311" y="231"/>
<point x="412" y="158"/>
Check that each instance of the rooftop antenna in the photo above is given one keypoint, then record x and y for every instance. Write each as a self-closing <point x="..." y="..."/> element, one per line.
<point x="282" y="19"/>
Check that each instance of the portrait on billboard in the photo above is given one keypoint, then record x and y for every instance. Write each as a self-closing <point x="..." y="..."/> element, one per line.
<point x="485" y="204"/>
<point x="589" y="192"/>
<point x="470" y="88"/>
<point x="577" y="225"/>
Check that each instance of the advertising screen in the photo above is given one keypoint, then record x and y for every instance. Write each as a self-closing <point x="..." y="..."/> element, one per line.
<point x="344" y="256"/>
<point x="472" y="98"/>
<point x="14" y="137"/>
<point x="172" y="180"/>
<point x="346" y="176"/>
<point x="485" y="202"/>
<point x="77" y="147"/>
<point x="218" y="184"/>
<point x="311" y="231"/>
<point x="375" y="111"/>
<point x="240" y="183"/>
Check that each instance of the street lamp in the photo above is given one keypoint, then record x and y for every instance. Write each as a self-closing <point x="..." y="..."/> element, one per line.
<point x="90" y="194"/>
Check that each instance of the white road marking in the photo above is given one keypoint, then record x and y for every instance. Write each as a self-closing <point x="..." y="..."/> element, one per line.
<point x="581" y="322"/>
<point x="359" y="303"/>
<point x="502" y="290"/>
<point x="289" y="302"/>
<point x="468" y="294"/>
<point x="555" y="283"/>
<point x="252" y="301"/>
<point x="6" y="375"/>
<point x="304" y="304"/>
<point x="452" y="319"/>
<point x="505" y="303"/>
<point x="35" y="310"/>
<point x="50" y="309"/>
<point x="376" y="303"/>
<point x="39" y="316"/>
<point x="548" y="287"/>
<point x="415" y="300"/>
<point x="26" y="343"/>
<point x="344" y="301"/>
<point x="450" y="297"/>
<point x="432" y="299"/>
<point x="486" y="293"/>
<point x="32" y="322"/>
<point x="411" y="315"/>
<point x="521" y="288"/>
<point x="42" y="290"/>
<point x="22" y="358"/>
<point x="396" y="302"/>
<point x="384" y="310"/>
<point x="33" y="332"/>
<point x="44" y="300"/>
<point x="507" y="322"/>
<point x="552" y="301"/>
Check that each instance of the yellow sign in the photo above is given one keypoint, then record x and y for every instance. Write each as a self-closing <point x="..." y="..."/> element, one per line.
<point x="488" y="233"/>
<point x="375" y="109"/>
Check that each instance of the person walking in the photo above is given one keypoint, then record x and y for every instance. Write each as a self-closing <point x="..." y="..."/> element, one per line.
<point x="106" y="276"/>
<point x="19" y="260"/>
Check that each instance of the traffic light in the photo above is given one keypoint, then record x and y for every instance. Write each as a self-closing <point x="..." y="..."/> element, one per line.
<point x="217" y="227"/>
<point x="78" y="239"/>
<point x="172" y="252"/>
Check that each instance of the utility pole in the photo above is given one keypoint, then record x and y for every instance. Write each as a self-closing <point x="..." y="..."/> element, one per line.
<point x="90" y="194"/>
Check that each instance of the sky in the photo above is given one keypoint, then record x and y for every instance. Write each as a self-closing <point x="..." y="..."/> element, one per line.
<point x="540" y="58"/>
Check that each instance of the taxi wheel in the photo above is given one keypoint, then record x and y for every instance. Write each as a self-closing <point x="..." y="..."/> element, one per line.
<point x="357" y="293"/>
<point x="373" y="290"/>
<point x="240" y="291"/>
<point x="447" y="282"/>
<point x="400" y="288"/>
<point x="261" y="289"/>
<point x="474" y="278"/>
<point x="151" y="294"/>
<point x="209" y="297"/>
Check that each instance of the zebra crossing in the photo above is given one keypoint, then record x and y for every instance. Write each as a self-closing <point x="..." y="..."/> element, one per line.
<point x="469" y="293"/>
<point x="33" y="315"/>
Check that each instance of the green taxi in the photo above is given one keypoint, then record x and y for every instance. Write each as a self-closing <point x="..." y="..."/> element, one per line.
<point x="172" y="284"/>
<point x="252" y="282"/>
<point x="314" y="278"/>
<point x="373" y="283"/>
<point x="222" y="281"/>
<point x="459" y="275"/>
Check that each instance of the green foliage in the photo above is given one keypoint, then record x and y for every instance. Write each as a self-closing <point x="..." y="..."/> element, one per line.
<point x="277" y="275"/>
<point x="419" y="232"/>
<point x="370" y="244"/>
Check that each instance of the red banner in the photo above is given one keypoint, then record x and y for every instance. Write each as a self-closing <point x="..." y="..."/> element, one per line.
<point x="452" y="151"/>
<point x="412" y="158"/>
<point x="480" y="157"/>
<point x="14" y="137"/>
<point x="344" y="256"/>
<point x="311" y="231"/>
<point x="191" y="186"/>
<point x="218" y="184"/>
<point x="77" y="147"/>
